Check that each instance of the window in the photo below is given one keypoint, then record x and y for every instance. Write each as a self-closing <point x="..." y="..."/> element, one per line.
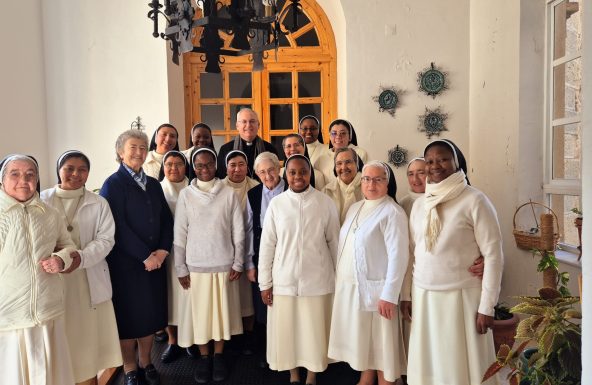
<point x="301" y="82"/>
<point x="563" y="128"/>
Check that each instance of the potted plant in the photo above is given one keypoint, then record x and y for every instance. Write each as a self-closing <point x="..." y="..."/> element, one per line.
<point x="551" y="327"/>
<point x="504" y="326"/>
<point x="549" y="266"/>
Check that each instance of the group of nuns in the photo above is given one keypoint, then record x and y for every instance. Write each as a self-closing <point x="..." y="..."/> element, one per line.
<point x="329" y="273"/>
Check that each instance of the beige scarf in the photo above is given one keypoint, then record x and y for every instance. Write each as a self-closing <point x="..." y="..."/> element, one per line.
<point x="436" y="194"/>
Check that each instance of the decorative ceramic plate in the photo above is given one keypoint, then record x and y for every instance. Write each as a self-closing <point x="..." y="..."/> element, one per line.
<point x="433" y="122"/>
<point x="397" y="156"/>
<point x="432" y="81"/>
<point x="388" y="100"/>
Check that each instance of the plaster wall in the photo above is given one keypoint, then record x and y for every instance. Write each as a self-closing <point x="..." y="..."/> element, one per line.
<point x="388" y="43"/>
<point x="102" y="70"/>
<point x="22" y="82"/>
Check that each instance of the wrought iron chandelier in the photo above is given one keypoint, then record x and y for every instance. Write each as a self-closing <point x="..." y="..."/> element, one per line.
<point x="253" y="24"/>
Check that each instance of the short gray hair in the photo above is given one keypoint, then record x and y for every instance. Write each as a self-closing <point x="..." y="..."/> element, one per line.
<point x="346" y="149"/>
<point x="377" y="164"/>
<point x="124" y="137"/>
<point x="249" y="110"/>
<point x="266" y="156"/>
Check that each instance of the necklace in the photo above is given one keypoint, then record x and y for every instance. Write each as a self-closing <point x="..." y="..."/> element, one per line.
<point x="69" y="221"/>
<point x="355" y="221"/>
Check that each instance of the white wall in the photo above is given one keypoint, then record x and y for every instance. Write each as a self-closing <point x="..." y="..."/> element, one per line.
<point x="22" y="82"/>
<point x="102" y="70"/>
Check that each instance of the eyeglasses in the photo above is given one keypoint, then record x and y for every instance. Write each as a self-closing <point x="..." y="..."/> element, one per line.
<point x="201" y="166"/>
<point x="339" y="133"/>
<point x="345" y="162"/>
<point x="376" y="180"/>
<point x="176" y="165"/>
<point x="269" y="171"/>
<point x="311" y="129"/>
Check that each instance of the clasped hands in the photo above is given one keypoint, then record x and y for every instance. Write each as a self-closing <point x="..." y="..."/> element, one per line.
<point x="54" y="264"/>
<point x="186" y="280"/>
<point x="155" y="259"/>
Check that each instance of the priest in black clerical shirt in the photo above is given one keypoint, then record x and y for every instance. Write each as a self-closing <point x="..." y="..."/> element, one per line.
<point x="247" y="124"/>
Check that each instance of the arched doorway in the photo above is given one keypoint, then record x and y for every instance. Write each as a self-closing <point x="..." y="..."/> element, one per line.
<point x="303" y="81"/>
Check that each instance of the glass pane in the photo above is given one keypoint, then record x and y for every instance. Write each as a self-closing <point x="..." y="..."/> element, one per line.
<point x="277" y="143"/>
<point x="288" y="21"/>
<point x="281" y="116"/>
<point x="280" y="85"/>
<point x="210" y="85"/>
<point x="313" y="109"/>
<point x="213" y="116"/>
<point x="562" y="206"/>
<point x="309" y="39"/>
<point x="240" y="85"/>
<point x="567" y="151"/>
<point x="567" y="89"/>
<point x="219" y="140"/>
<point x="568" y="29"/>
<point x="284" y="42"/>
<point x="309" y="84"/>
<point x="234" y="109"/>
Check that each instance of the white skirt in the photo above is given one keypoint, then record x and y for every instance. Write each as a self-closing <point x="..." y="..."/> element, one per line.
<point x="246" y="296"/>
<point x="364" y="339"/>
<point x="37" y="355"/>
<point x="174" y="290"/>
<point x="91" y="331"/>
<point x="445" y="347"/>
<point x="298" y="332"/>
<point x="211" y="311"/>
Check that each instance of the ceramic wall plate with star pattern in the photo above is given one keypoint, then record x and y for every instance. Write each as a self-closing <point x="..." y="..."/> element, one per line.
<point x="432" y="81"/>
<point x="397" y="156"/>
<point x="388" y="100"/>
<point x="433" y="122"/>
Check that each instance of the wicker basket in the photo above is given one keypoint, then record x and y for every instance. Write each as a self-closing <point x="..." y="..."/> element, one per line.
<point x="547" y="236"/>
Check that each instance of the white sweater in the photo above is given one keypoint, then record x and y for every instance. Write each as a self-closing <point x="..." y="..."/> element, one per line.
<point x="152" y="164"/>
<point x="209" y="230"/>
<point x="97" y="237"/>
<point x="381" y="249"/>
<point x="469" y="228"/>
<point x="297" y="255"/>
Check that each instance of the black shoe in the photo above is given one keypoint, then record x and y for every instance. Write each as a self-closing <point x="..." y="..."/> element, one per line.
<point x="248" y="343"/>
<point x="193" y="351"/>
<point x="149" y="375"/>
<point x="170" y="354"/>
<point x="161" y="336"/>
<point x="203" y="370"/>
<point x="131" y="378"/>
<point x="219" y="370"/>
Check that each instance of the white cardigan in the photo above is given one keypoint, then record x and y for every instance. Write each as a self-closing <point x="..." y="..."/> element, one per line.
<point x="29" y="232"/>
<point x="209" y="230"/>
<point x="381" y="250"/>
<point x="297" y="254"/>
<point x="469" y="228"/>
<point x="97" y="232"/>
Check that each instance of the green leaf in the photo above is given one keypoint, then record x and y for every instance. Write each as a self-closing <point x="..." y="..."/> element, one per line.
<point x="524" y="328"/>
<point x="534" y="301"/>
<point x="546" y="340"/>
<point x="526" y="308"/>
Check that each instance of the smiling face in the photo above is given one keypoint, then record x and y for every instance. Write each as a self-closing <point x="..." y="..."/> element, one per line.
<point x="201" y="137"/>
<point x="268" y="173"/>
<point x="205" y="166"/>
<point x="346" y="167"/>
<point x="416" y="175"/>
<point x="309" y="130"/>
<point x="247" y="125"/>
<point x="236" y="169"/>
<point x="339" y="136"/>
<point x="73" y="173"/>
<point x="374" y="182"/>
<point x="439" y="163"/>
<point x="293" y="145"/>
<point x="20" y="180"/>
<point x="133" y="154"/>
<point x="166" y="140"/>
<point x="174" y="168"/>
<point x="298" y="175"/>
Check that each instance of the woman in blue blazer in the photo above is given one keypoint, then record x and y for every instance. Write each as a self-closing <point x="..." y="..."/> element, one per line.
<point x="143" y="239"/>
